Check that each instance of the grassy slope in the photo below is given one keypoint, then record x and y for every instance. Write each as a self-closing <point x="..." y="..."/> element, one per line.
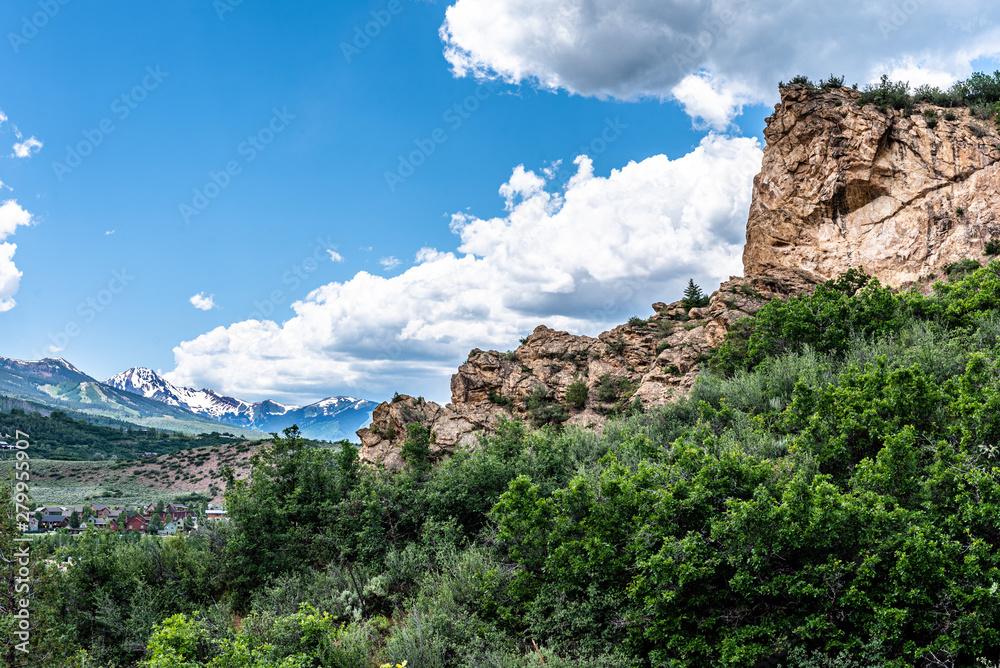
<point x="135" y="482"/>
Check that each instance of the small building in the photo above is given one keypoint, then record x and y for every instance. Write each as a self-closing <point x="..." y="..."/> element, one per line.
<point x="104" y="524"/>
<point x="100" y="510"/>
<point x="169" y="529"/>
<point x="136" y="523"/>
<point x="216" y="514"/>
<point x="54" y="521"/>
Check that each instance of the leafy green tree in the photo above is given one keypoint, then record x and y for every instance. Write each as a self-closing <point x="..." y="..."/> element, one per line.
<point x="416" y="450"/>
<point x="74" y="520"/>
<point x="285" y="515"/>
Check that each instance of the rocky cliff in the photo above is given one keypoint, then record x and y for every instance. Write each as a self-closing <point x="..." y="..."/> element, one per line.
<point x="842" y="186"/>
<point x="555" y="377"/>
<point x="899" y="194"/>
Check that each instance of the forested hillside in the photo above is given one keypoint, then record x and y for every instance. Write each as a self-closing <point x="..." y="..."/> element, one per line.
<point x="59" y="436"/>
<point x="827" y="496"/>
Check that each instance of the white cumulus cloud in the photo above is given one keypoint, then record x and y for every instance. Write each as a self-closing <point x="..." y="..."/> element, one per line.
<point x="335" y="256"/>
<point x="200" y="301"/>
<point x="12" y="216"/>
<point x="583" y="257"/>
<point x="737" y="50"/>
<point x="27" y="148"/>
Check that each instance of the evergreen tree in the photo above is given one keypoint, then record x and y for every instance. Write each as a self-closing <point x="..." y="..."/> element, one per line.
<point x="74" y="520"/>
<point x="693" y="296"/>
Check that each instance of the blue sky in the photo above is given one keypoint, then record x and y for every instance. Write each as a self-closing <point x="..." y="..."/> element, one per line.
<point x="244" y="156"/>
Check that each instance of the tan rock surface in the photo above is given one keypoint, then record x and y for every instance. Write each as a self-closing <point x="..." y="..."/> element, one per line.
<point x="844" y="186"/>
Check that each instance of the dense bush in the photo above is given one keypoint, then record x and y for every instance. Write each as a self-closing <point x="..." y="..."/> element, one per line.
<point x="980" y="92"/>
<point x="576" y="394"/>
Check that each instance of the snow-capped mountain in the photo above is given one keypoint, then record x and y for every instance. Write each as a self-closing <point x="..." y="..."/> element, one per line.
<point x="58" y="385"/>
<point x="330" y="419"/>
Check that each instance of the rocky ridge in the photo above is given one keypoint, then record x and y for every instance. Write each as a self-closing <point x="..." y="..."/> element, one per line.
<point x="652" y="361"/>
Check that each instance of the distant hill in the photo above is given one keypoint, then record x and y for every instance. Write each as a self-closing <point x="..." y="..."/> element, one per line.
<point x="59" y="436"/>
<point x="58" y="385"/>
<point x="331" y="419"/>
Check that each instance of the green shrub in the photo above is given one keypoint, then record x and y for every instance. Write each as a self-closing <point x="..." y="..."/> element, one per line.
<point x="544" y="410"/>
<point x="576" y="394"/>
<point x="618" y="345"/>
<point x="833" y="82"/>
<point x="497" y="398"/>
<point x="636" y="321"/>
<point x="992" y="247"/>
<point x="931" y="117"/>
<point x="888" y="94"/>
<point x="957" y="270"/>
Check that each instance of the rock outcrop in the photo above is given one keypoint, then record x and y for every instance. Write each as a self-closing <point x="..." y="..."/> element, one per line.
<point x="842" y="186"/>
<point x="898" y="194"/>
<point x="652" y="361"/>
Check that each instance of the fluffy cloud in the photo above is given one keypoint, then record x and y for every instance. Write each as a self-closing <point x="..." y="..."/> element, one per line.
<point x="10" y="277"/>
<point x="389" y="263"/>
<point x="27" y="148"/>
<point x="200" y="301"/>
<point x="580" y="258"/>
<point x="12" y="216"/>
<point x="335" y="256"/>
<point x="630" y="49"/>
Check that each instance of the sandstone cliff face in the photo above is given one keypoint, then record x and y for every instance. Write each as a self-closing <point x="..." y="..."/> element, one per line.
<point x="653" y="362"/>
<point x="844" y="186"/>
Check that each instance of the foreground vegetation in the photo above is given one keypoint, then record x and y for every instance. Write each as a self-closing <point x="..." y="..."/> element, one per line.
<point x="828" y="496"/>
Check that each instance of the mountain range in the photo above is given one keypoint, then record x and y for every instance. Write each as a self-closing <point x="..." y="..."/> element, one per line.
<point x="142" y="397"/>
<point x="331" y="419"/>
